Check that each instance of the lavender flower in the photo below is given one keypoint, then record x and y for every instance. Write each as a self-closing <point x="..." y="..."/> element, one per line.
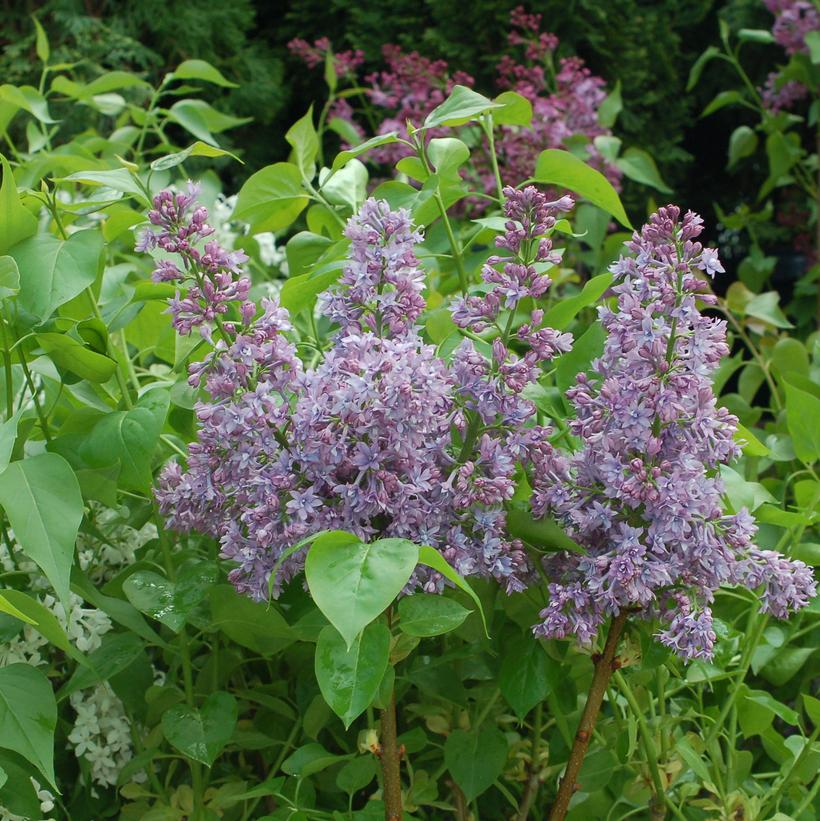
<point x="642" y="493"/>
<point x="207" y="273"/>
<point x="362" y="441"/>
<point x="794" y="19"/>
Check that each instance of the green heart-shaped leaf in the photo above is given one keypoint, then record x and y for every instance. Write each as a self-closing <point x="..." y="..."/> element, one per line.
<point x="201" y="734"/>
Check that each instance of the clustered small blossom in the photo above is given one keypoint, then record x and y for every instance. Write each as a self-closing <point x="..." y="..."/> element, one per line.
<point x="642" y="492"/>
<point x="494" y="388"/>
<point x="565" y="101"/>
<point x="101" y="735"/>
<point x="362" y="441"/>
<point x="208" y="272"/>
<point x="794" y="20"/>
<point x="345" y="62"/>
<point x="85" y="626"/>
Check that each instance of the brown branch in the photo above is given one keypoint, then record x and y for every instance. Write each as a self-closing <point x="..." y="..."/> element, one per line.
<point x="604" y="667"/>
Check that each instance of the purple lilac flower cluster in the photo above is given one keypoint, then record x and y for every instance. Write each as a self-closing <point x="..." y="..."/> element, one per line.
<point x="179" y="224"/>
<point x="794" y="20"/>
<point x="642" y="492"/>
<point x="493" y="388"/>
<point x="363" y="441"/>
<point x="565" y="100"/>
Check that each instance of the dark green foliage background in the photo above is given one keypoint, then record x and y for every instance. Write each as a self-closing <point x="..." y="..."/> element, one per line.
<point x="647" y="45"/>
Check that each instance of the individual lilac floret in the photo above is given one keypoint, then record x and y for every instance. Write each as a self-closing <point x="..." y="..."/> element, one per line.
<point x="642" y="493"/>
<point x="207" y="272"/>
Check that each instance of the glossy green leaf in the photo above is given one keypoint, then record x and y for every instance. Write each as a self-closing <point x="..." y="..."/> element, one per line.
<point x="39" y="616"/>
<point x="741" y="493"/>
<point x="545" y="533"/>
<point x="170" y="602"/>
<point x="304" y="141"/>
<point x="129" y="437"/>
<point x="587" y="347"/>
<point x="117" y="652"/>
<point x="697" y="67"/>
<point x="68" y="353"/>
<point x="347" y="187"/>
<point x="430" y="557"/>
<point x="343" y="157"/>
<point x="27" y="98"/>
<point x="515" y="109"/>
<point x="425" y="614"/>
<point x="462" y="106"/>
<point x="201" y="70"/>
<point x="357" y="774"/>
<point x="9" y="277"/>
<point x="54" y="271"/>
<point x="639" y="166"/>
<point x="721" y="100"/>
<point x="447" y="154"/>
<point x="259" y="627"/>
<point x="527" y="674"/>
<point x="349" y="677"/>
<point x="8" y="437"/>
<point x="41" y="41"/>
<point x="611" y="107"/>
<point x="766" y="307"/>
<point x="201" y="734"/>
<point x="742" y="143"/>
<point x="44" y="506"/>
<point x="749" y="442"/>
<point x="299" y="293"/>
<point x="198" y="149"/>
<point x="355" y="582"/>
<point x="566" y="171"/>
<point x="272" y="198"/>
<point x="803" y="420"/>
<point x="310" y="759"/>
<point x="28" y="716"/>
<point x="475" y="758"/>
<point x="16" y="222"/>
<point x="203" y="120"/>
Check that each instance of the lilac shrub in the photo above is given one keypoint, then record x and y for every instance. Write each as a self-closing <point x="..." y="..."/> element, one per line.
<point x="794" y="20"/>
<point x="564" y="94"/>
<point x="642" y="492"/>
<point x="363" y="441"/>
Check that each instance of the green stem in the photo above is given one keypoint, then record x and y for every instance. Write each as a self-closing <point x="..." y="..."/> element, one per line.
<point x="755" y="629"/>
<point x="37" y="407"/>
<point x="7" y="370"/>
<point x="660" y="797"/>
<point x="534" y="780"/>
<point x="487" y="125"/>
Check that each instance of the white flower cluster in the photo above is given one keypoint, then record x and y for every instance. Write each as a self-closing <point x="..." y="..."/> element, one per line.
<point x="103" y="556"/>
<point x="228" y="230"/>
<point x="101" y="733"/>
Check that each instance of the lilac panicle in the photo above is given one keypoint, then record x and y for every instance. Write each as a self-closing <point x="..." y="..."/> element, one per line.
<point x="208" y="272"/>
<point x="642" y="493"/>
<point x="363" y="440"/>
